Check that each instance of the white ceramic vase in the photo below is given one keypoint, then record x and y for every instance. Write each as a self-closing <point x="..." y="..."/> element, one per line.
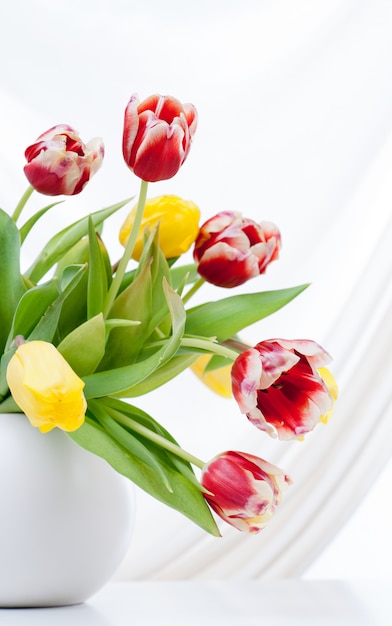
<point x="66" y="517"/>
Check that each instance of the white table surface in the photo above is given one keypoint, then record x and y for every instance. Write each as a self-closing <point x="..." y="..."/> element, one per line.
<point x="266" y="603"/>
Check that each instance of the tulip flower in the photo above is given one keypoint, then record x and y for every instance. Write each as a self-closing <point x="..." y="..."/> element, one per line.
<point x="45" y="387"/>
<point x="58" y="162"/>
<point x="230" y="249"/>
<point x="157" y="136"/>
<point x="243" y="489"/>
<point x="218" y="380"/>
<point x="178" y="225"/>
<point x="278" y="385"/>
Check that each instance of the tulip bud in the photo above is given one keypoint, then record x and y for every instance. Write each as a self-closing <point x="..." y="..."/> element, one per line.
<point x="178" y="225"/>
<point x="230" y="249"/>
<point x="58" y="162"/>
<point x="279" y="387"/>
<point x="45" y="387"/>
<point x="157" y="136"/>
<point x="243" y="489"/>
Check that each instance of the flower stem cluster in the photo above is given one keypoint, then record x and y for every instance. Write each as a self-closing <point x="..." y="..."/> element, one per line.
<point x="82" y="335"/>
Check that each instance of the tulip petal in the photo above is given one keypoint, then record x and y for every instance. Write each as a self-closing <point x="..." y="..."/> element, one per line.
<point x="131" y="126"/>
<point x="159" y="154"/>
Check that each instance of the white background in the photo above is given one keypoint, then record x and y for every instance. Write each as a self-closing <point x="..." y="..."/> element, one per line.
<point x="294" y="98"/>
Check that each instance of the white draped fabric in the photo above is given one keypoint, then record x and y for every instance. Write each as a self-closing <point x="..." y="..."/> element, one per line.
<point x="295" y="102"/>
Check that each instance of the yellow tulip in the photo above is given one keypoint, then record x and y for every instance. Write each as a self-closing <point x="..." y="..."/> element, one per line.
<point x="218" y="380"/>
<point x="45" y="387"/>
<point x="332" y="388"/>
<point x="178" y="225"/>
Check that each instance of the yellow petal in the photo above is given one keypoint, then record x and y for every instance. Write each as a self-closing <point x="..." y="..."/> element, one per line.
<point x="45" y="387"/>
<point x="218" y="380"/>
<point x="178" y="225"/>
<point x="332" y="388"/>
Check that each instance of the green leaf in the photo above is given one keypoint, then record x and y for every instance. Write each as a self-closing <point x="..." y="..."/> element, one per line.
<point x="127" y="440"/>
<point x="185" y="497"/>
<point x="84" y="347"/>
<point x="160" y="272"/>
<point x="216" y="362"/>
<point x="225" y="318"/>
<point x="27" y="226"/>
<point x="184" y="274"/>
<point x="64" y="240"/>
<point x="122" y="411"/>
<point x="161" y="376"/>
<point x="31" y="307"/>
<point x="97" y="286"/>
<point x="77" y="255"/>
<point x="115" y="381"/>
<point x="11" y="284"/>
<point x="134" y="303"/>
<point x="47" y="327"/>
<point x="74" y="310"/>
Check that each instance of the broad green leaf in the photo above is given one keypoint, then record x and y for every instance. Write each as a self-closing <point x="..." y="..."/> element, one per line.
<point x="47" y="327"/>
<point x="74" y="310"/>
<point x="97" y="285"/>
<point x="216" y="362"/>
<point x="115" y="381"/>
<point x="64" y="240"/>
<point x="126" y="439"/>
<point x="185" y="497"/>
<point x="11" y="284"/>
<point x="134" y="303"/>
<point x="161" y="376"/>
<point x="31" y="307"/>
<point x="225" y="318"/>
<point x="84" y="347"/>
<point x="69" y="274"/>
<point x="145" y="420"/>
<point x="160" y="272"/>
<point x="153" y="256"/>
<point x="77" y="255"/>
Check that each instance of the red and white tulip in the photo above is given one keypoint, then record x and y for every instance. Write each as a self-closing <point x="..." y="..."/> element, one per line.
<point x="231" y="249"/>
<point x="279" y="387"/>
<point x="243" y="489"/>
<point x="59" y="163"/>
<point x="157" y="136"/>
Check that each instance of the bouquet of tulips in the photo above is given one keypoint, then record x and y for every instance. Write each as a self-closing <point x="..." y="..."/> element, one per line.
<point x="82" y="335"/>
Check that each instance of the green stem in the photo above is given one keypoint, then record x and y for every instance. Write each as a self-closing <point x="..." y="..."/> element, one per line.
<point x="209" y="346"/>
<point x="22" y="202"/>
<point x="240" y="346"/>
<point x="122" y="266"/>
<point x="132" y="424"/>
<point x="196" y="286"/>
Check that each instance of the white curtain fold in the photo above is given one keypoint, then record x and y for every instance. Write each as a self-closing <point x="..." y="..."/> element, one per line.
<point x="295" y="102"/>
